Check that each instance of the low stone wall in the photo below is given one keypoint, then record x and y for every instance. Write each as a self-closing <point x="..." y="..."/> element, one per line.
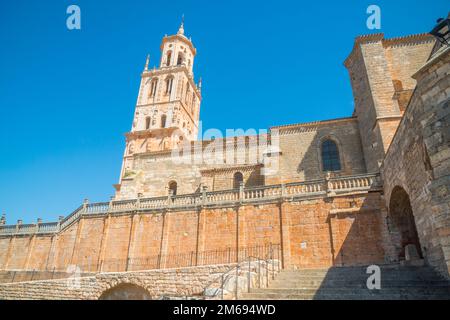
<point x="9" y="276"/>
<point x="158" y="283"/>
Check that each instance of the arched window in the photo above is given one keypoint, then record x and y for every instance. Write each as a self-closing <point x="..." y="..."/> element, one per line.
<point x="147" y="123"/>
<point x="163" y="121"/>
<point x="237" y="179"/>
<point x="330" y="156"/>
<point x="193" y="102"/>
<point x="169" y="57"/>
<point x="169" y="84"/>
<point x="173" y="188"/>
<point x="187" y="93"/>
<point x="153" y="87"/>
<point x="180" y="59"/>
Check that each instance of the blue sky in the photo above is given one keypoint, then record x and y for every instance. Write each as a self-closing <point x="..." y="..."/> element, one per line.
<point x="68" y="97"/>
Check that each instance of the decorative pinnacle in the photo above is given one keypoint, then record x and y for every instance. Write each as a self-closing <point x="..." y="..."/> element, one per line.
<point x="181" y="29"/>
<point x="147" y="62"/>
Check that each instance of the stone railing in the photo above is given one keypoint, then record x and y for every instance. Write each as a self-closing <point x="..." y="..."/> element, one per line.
<point x="322" y="187"/>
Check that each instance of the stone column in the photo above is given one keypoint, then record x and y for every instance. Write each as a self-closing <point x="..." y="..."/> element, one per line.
<point x="285" y="234"/>
<point x="164" y="239"/>
<point x="104" y="241"/>
<point x="77" y="241"/>
<point x="132" y="240"/>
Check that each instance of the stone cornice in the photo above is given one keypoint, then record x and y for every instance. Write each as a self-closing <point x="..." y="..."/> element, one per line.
<point x="409" y="39"/>
<point x="358" y="41"/>
<point x="379" y="37"/>
<point x="249" y="167"/>
<point x="157" y="72"/>
<point x="290" y="128"/>
<point x="182" y="38"/>
<point x="150" y="133"/>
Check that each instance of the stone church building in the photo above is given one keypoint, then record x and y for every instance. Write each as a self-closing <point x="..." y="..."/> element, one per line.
<point x="371" y="188"/>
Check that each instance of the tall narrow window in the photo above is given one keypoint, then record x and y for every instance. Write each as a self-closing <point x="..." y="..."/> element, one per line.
<point x="330" y="156"/>
<point x="169" y="84"/>
<point x="187" y="93"/>
<point x="163" y="121"/>
<point x="180" y="59"/>
<point x="169" y="57"/>
<point x="238" y="178"/>
<point x="147" y="123"/>
<point x="153" y="87"/>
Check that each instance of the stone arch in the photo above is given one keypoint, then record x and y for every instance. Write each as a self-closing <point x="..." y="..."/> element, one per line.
<point x="125" y="291"/>
<point x="340" y="151"/>
<point x="238" y="178"/>
<point x="401" y="222"/>
<point x="173" y="186"/>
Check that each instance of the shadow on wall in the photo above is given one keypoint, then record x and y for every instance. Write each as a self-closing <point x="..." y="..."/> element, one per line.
<point x="356" y="241"/>
<point x="318" y="157"/>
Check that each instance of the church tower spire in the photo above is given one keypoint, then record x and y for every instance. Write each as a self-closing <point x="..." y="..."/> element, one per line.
<point x="168" y="105"/>
<point x="181" y="29"/>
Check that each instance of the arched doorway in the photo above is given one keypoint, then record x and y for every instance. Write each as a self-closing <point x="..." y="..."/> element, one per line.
<point x="401" y="221"/>
<point x="125" y="291"/>
<point x="238" y="178"/>
<point x="173" y="187"/>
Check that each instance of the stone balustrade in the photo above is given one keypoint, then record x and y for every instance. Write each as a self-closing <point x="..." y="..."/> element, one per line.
<point x="305" y="189"/>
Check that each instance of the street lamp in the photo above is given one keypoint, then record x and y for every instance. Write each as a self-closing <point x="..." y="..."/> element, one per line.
<point x="442" y="31"/>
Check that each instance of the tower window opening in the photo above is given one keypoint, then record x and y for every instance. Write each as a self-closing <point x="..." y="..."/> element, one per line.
<point x="153" y="87"/>
<point x="169" y="84"/>
<point x="147" y="123"/>
<point x="169" y="57"/>
<point x="163" y="121"/>
<point x="330" y="156"/>
<point x="173" y="188"/>
<point x="180" y="59"/>
<point x="238" y="178"/>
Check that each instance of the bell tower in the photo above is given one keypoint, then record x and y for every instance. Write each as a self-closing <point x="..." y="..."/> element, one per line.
<point x="168" y="95"/>
<point x="168" y="106"/>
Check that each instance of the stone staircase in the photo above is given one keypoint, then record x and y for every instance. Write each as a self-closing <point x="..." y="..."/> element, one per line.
<point x="349" y="283"/>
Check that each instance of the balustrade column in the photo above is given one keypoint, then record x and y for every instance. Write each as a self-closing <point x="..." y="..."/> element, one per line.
<point x="85" y="205"/>
<point x="204" y="190"/>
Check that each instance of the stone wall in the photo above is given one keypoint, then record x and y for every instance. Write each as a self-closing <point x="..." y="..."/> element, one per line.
<point x="381" y="76"/>
<point x="299" y="159"/>
<point x="418" y="159"/>
<point x="158" y="283"/>
<point x="317" y="232"/>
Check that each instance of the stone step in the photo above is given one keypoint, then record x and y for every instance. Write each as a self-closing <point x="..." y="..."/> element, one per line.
<point x="422" y="290"/>
<point x="321" y="296"/>
<point x="361" y="271"/>
<point x="307" y="283"/>
<point x="398" y="282"/>
<point x="386" y="276"/>
<point x="353" y="279"/>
